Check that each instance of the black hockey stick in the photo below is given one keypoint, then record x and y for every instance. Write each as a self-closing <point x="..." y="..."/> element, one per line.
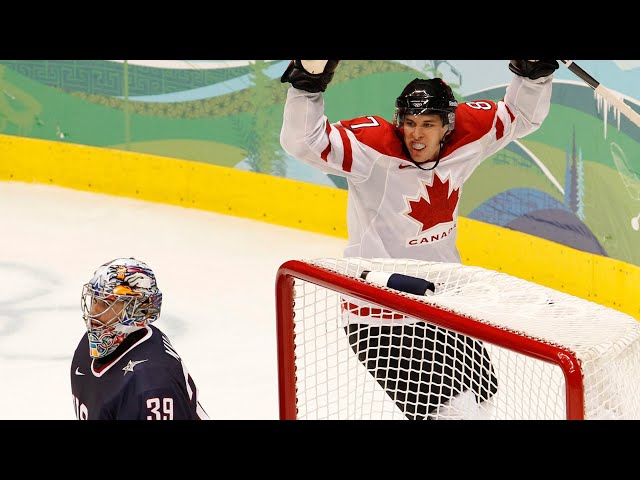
<point x="604" y="92"/>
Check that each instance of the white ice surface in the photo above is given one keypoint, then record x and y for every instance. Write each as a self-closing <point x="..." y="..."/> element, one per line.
<point x="216" y="272"/>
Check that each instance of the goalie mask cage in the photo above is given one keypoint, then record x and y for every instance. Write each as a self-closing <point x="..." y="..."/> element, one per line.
<point x="484" y="345"/>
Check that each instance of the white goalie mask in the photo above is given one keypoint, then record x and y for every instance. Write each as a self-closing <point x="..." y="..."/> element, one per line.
<point x="122" y="297"/>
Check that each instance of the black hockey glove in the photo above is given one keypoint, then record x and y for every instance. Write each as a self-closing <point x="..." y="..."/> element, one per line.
<point x="312" y="76"/>
<point x="533" y="69"/>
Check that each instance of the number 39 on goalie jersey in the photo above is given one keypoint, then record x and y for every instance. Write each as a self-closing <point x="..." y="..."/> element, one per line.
<point x="148" y="381"/>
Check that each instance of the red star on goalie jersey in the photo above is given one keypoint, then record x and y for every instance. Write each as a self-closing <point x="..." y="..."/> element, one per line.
<point x="437" y="208"/>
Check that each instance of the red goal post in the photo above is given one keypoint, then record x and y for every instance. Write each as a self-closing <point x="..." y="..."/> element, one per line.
<point x="533" y="352"/>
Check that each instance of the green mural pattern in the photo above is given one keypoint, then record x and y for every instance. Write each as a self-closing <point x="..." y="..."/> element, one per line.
<point x="574" y="181"/>
<point x="99" y="77"/>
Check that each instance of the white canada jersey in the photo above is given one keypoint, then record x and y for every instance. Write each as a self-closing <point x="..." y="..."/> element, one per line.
<point x="396" y="210"/>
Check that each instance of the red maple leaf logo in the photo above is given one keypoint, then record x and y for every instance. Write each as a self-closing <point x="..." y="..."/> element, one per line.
<point x="438" y="209"/>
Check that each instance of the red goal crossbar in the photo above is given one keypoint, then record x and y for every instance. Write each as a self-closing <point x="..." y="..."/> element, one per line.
<point x="512" y="340"/>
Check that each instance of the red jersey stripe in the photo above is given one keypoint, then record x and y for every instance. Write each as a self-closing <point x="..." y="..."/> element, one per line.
<point x="327" y="150"/>
<point x="499" y="128"/>
<point x="347" y="161"/>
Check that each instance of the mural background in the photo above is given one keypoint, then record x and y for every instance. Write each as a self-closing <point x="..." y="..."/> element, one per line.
<point x="576" y="181"/>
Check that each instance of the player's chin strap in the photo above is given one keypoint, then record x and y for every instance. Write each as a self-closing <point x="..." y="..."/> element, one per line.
<point x="437" y="159"/>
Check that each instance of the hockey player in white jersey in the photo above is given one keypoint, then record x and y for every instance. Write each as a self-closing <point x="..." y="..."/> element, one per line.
<point x="405" y="177"/>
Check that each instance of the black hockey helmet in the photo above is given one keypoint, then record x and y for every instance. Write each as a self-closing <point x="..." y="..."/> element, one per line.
<point x="426" y="97"/>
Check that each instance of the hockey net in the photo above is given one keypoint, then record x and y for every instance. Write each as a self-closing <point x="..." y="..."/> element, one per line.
<point x="484" y="345"/>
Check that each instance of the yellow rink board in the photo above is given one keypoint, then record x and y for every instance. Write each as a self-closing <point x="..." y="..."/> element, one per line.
<point x="307" y="207"/>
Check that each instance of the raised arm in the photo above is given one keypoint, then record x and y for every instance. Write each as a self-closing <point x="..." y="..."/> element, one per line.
<point x="528" y="96"/>
<point x="307" y="134"/>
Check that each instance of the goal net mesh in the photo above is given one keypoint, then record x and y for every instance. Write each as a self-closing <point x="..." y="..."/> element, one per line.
<point x="492" y="346"/>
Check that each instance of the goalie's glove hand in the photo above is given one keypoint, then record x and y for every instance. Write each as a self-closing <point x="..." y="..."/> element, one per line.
<point x="533" y="69"/>
<point x="312" y="76"/>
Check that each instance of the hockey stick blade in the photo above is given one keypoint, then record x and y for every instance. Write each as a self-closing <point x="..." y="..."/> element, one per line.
<point x="604" y="92"/>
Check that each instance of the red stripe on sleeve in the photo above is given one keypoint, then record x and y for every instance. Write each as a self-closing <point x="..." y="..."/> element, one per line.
<point x="499" y="128"/>
<point x="348" y="153"/>
<point x="511" y="115"/>
<point x="327" y="150"/>
<point x="500" y="125"/>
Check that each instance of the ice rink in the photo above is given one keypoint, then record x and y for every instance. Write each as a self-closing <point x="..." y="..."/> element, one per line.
<point x="216" y="273"/>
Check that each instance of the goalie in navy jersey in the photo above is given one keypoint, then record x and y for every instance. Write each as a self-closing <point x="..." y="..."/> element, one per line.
<point x="405" y="180"/>
<point x="124" y="368"/>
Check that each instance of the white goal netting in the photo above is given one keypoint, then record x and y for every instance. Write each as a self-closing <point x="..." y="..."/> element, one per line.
<point x="484" y="345"/>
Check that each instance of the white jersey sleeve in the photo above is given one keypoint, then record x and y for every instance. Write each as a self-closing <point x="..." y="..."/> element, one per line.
<point x="522" y="110"/>
<point x="308" y="136"/>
